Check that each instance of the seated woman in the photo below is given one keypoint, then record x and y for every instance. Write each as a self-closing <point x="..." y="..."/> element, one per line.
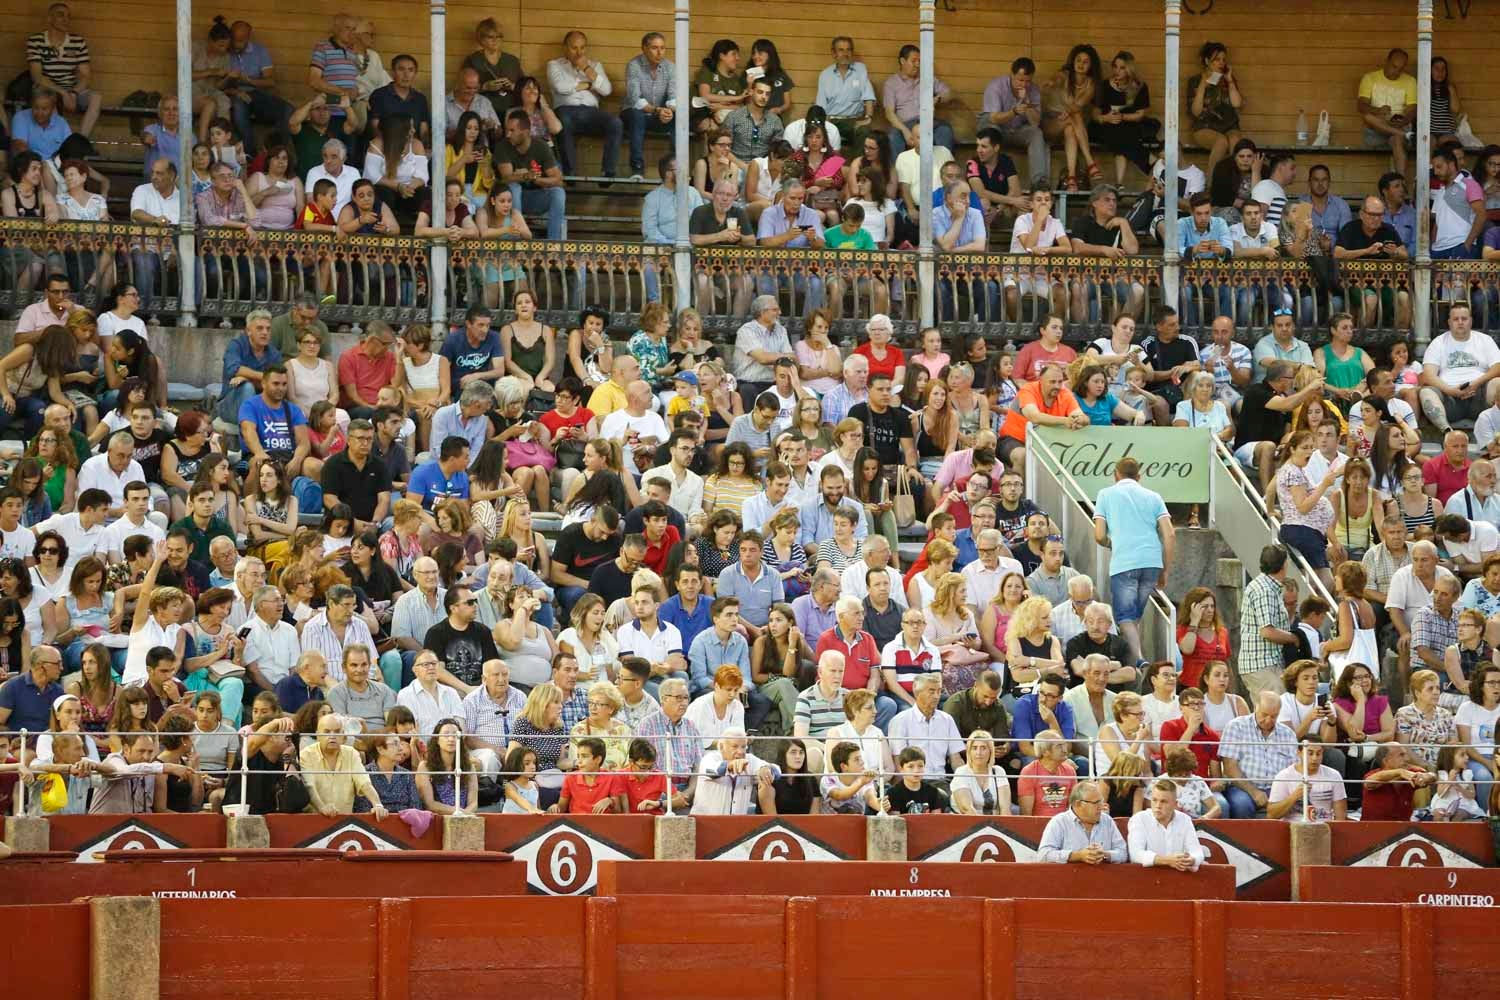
<point x="1129" y="733"/>
<point x="980" y="786"/>
<point x="467" y="159"/>
<point x="530" y="345"/>
<point x="456" y="221"/>
<point x="719" y="164"/>
<point x="528" y="454"/>
<point x="649" y="346"/>
<point x="448" y="754"/>
<point x="277" y="192"/>
<point x="397" y="163"/>
<point x="525" y="645"/>
<point x="735" y="481"/>
<point x="604" y="700"/>
<point x="1364" y="719"/>
<point x="368" y="214"/>
<point x="1122" y="123"/>
<point x="1067" y="106"/>
<point x="590" y="356"/>
<point x="764" y="178"/>
<point x="539" y="729"/>
<point x="1091" y="387"/>
<point x="500" y="219"/>
<point x="821" y="171"/>
<point x="1214" y="102"/>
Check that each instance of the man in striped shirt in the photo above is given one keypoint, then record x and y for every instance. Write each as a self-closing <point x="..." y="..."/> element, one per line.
<point x="821" y="707"/>
<point x="59" y="64"/>
<point x="335" y="67"/>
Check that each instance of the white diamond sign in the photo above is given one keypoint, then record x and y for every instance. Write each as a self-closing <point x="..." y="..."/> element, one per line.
<point x="354" y="836"/>
<point x="1249" y="867"/>
<point x="776" y="842"/>
<point x="128" y="836"/>
<point x="987" y="843"/>
<point x="1412" y="850"/>
<point x="563" y="860"/>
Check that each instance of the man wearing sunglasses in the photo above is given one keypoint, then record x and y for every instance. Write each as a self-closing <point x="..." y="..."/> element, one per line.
<point x="460" y="642"/>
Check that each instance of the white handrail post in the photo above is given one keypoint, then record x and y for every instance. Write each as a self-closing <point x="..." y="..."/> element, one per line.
<point x="187" y="250"/>
<point x="1171" y="273"/>
<point x="1422" y="271"/>
<point x="244" y="775"/>
<point x="682" y="256"/>
<point x="926" y="259"/>
<point x="437" y="259"/>
<point x="21" y="785"/>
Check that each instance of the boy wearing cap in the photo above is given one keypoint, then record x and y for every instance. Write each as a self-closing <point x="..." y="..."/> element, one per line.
<point x="686" y="395"/>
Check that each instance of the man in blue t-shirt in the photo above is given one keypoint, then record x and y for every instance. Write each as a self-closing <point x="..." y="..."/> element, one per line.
<point x="447" y="477"/>
<point x="1133" y="521"/>
<point x="274" y="427"/>
<point x="474" y="352"/>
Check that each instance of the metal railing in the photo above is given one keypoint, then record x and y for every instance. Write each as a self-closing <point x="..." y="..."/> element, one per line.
<point x="93" y="255"/>
<point x="1239" y="514"/>
<point x="619" y="278"/>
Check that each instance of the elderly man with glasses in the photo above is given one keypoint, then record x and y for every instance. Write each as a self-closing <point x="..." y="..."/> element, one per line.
<point x="1084" y="833"/>
<point x="272" y="647"/>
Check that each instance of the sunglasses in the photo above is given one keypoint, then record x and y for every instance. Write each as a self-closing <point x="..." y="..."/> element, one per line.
<point x="1283" y="311"/>
<point x="49" y="551"/>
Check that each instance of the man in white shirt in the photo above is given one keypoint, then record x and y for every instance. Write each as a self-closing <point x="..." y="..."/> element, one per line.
<point x="657" y="642"/>
<point x="877" y="555"/>
<point x="1326" y="798"/>
<point x="577" y="83"/>
<point x="430" y="701"/>
<point x="1468" y="543"/>
<point x="1162" y="837"/>
<point x="334" y="169"/>
<point x="134" y="521"/>
<point x="1460" y="371"/>
<point x="1280" y="171"/>
<point x="982" y="577"/>
<point x="113" y="471"/>
<point x="249" y="576"/>
<point x="772" y="500"/>
<point x="932" y="731"/>
<point x="271" y="647"/>
<point x="687" y="485"/>
<point x="792" y="450"/>
<point x="1382" y="386"/>
<point x="1477" y="501"/>
<point x="156" y="203"/>
<point x="83" y="530"/>
<point x="16" y="542"/>
<point x="637" y="426"/>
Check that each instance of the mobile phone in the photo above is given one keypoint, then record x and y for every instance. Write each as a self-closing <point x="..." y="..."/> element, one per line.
<point x="1322" y="701"/>
<point x="1463" y="387"/>
<point x="244" y="633"/>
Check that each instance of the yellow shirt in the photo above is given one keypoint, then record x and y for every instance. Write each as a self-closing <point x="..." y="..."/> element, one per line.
<point x="679" y="403"/>
<point x="606" y="399"/>
<point x="482" y="177"/>
<point x="1390" y="95"/>
<point x="337" y="789"/>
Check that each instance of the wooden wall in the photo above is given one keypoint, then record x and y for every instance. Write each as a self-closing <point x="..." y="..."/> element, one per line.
<point x="1287" y="53"/>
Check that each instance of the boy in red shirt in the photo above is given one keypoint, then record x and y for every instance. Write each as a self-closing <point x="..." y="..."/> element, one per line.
<point x="587" y="790"/>
<point x="644" y="787"/>
<point x="317" y="214"/>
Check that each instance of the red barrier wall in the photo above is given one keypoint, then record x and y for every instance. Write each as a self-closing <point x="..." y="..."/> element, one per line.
<point x="86" y="834"/>
<point x="241" y="874"/>
<point x="44" y="949"/>
<point x="896" y="879"/>
<point x="562" y="853"/>
<point x="1405" y="845"/>
<point x="781" y="838"/>
<point x="1258" y="850"/>
<point x="1424" y="886"/>
<point x="762" y="947"/>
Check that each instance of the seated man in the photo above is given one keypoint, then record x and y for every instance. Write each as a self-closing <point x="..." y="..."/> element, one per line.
<point x="1326" y="798"/>
<point x="39" y="128"/>
<point x="794" y="225"/>
<point x="1256" y="750"/>
<point x="650" y="98"/>
<point x="900" y="96"/>
<point x="1388" y="104"/>
<point x="1104" y="232"/>
<point x="720" y="222"/>
<point x="59" y="63"/>
<point x="531" y="171"/>
<point x="1163" y="837"/>
<point x="577" y="83"/>
<point x="1083" y="833"/>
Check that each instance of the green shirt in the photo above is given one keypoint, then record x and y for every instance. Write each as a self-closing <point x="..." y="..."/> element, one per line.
<point x="538" y="158"/>
<point x="284" y="337"/>
<point x="837" y="239"/>
<point x="203" y="539"/>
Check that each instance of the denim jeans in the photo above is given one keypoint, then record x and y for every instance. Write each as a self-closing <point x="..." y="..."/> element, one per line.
<point x="637" y="124"/>
<point x="1129" y="591"/>
<point x="808" y="286"/>
<point x="553" y="201"/>
<point x="942" y="135"/>
<point x="1241" y="805"/>
<point x="263" y="106"/>
<point x="886" y="708"/>
<point x="569" y="596"/>
<point x="987" y="308"/>
<point x="578" y="121"/>
<point x="1210" y="296"/>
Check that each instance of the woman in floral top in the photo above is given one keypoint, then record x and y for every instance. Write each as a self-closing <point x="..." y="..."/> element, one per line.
<point x="1306" y="513"/>
<point x="649" y="345"/>
<point x="402" y="546"/>
<point x="1424" y="720"/>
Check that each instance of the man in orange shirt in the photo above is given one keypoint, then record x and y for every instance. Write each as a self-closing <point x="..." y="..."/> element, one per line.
<point x="1045" y="402"/>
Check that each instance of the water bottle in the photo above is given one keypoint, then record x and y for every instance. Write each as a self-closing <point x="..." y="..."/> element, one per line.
<point x="1301" y="127"/>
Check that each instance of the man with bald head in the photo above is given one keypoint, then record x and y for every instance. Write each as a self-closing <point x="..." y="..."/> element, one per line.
<point x="1369" y="237"/>
<point x="577" y="84"/>
<point x="720" y="223"/>
<point x="1447" y="473"/>
<point x="637" y="427"/>
<point x="1255" y="748"/>
<point x="613" y="395"/>
<point x="466" y="97"/>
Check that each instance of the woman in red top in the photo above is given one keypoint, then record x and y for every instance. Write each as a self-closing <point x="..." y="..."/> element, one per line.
<point x="1201" y="635"/>
<point x="885" y="358"/>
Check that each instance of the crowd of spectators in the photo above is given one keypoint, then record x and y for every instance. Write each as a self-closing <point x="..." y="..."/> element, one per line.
<point x="724" y="564"/>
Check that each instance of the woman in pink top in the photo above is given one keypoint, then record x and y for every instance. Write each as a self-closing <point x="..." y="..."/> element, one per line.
<point x="994" y="624"/>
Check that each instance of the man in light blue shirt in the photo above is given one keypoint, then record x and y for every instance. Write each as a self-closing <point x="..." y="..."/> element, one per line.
<point x="1399" y="213"/>
<point x="958" y="227"/>
<point x="792" y="224"/>
<point x="817" y="514"/>
<point x="1205" y="237"/>
<point x="466" y="418"/>
<point x="40" y="129"/>
<point x="718" y="646"/>
<point x="845" y="92"/>
<point x="1084" y="834"/>
<point x="753" y="583"/>
<point x="650" y="97"/>
<point x="1133" y="521"/>
<point x="1330" y="212"/>
<point x="659" y="212"/>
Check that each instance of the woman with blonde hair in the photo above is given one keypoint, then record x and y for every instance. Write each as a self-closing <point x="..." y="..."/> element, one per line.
<point x="1125" y="785"/>
<point x="1122" y="123"/>
<point x="1129" y="733"/>
<point x="1031" y="650"/>
<point x="980" y="787"/>
<point x="590" y="643"/>
<point x="604" y="700"/>
<point x="952" y="629"/>
<point x="532" y="550"/>
<point x="539" y="729"/>
<point x="941" y="555"/>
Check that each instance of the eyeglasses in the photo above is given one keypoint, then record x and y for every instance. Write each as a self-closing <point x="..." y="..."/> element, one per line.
<point x="472" y="600"/>
<point x="984" y="551"/>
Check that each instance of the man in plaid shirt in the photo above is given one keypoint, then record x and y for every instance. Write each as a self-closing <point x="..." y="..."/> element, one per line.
<point x="679" y="745"/>
<point x="1435" y="627"/>
<point x="1254" y="749"/>
<point x="1265" y="626"/>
